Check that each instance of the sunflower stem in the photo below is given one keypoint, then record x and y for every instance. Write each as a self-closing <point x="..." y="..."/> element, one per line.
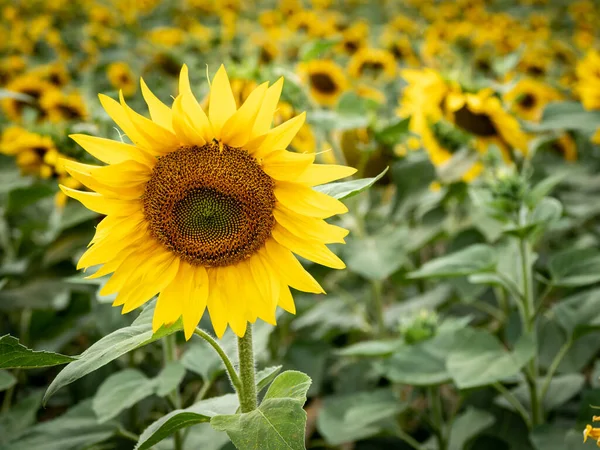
<point x="233" y="376"/>
<point x="247" y="394"/>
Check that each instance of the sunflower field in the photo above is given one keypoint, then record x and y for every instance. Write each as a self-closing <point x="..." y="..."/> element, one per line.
<point x="299" y="224"/>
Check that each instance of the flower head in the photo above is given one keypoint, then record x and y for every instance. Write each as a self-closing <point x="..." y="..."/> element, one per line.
<point x="207" y="209"/>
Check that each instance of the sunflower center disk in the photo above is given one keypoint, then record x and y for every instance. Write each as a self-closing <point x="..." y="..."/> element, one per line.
<point x="323" y="83"/>
<point x="477" y="124"/>
<point x="210" y="206"/>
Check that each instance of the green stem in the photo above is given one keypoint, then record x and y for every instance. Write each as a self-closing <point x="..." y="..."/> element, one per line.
<point x="435" y="403"/>
<point x="378" y="307"/>
<point x="412" y="442"/>
<point x="514" y="401"/>
<point x="529" y="325"/>
<point x="247" y="395"/>
<point x="233" y="376"/>
<point x="552" y="369"/>
<point x="170" y="354"/>
<point x="128" y="434"/>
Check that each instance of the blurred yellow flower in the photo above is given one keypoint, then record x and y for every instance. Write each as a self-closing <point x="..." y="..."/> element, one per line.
<point x="528" y="98"/>
<point x="120" y="77"/>
<point x="588" y="80"/>
<point x="374" y="63"/>
<point x="326" y="80"/>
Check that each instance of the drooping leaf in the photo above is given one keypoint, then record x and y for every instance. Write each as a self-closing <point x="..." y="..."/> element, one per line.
<point x="479" y="359"/>
<point x="351" y="417"/>
<point x="575" y="267"/>
<point x="111" y="347"/>
<point x="277" y="424"/>
<point x="265" y="376"/>
<point x="468" y="425"/>
<point x="121" y="391"/>
<point x="181" y="418"/>
<point x="169" y="378"/>
<point x="473" y="259"/>
<point x="347" y="189"/>
<point x="7" y="380"/>
<point x="16" y="356"/>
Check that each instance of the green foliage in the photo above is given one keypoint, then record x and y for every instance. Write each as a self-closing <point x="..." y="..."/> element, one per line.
<point x="279" y="421"/>
<point x="16" y="356"/>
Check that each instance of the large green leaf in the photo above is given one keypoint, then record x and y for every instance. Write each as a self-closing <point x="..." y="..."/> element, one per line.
<point x="7" y="380"/>
<point x="14" y="356"/>
<point x="557" y="436"/>
<point x="424" y="363"/>
<point x="351" y="417"/>
<point x="181" y="418"/>
<point x="202" y="359"/>
<point x="110" y="347"/>
<point x="279" y="421"/>
<point x="575" y="267"/>
<point x="14" y="422"/>
<point x="468" y="425"/>
<point x="169" y="378"/>
<point x="77" y="429"/>
<point x="120" y="391"/>
<point x="377" y="257"/>
<point x="473" y="259"/>
<point x="567" y="116"/>
<point x="347" y="189"/>
<point x="578" y="314"/>
<point x="479" y="359"/>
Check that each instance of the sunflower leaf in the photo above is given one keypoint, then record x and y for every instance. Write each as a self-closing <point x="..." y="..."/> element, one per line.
<point x="13" y="355"/>
<point x="110" y="347"/>
<point x="346" y="189"/>
<point x="277" y="424"/>
<point x="182" y="418"/>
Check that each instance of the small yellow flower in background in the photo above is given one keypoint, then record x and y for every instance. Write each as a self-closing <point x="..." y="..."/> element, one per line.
<point x="29" y="149"/>
<point x="166" y="36"/>
<point x="529" y="97"/>
<point x="596" y="137"/>
<point x="207" y="209"/>
<point x="121" y="77"/>
<point x="591" y="432"/>
<point x="435" y="186"/>
<point x="59" y="106"/>
<point x="33" y="86"/>
<point x="588" y="80"/>
<point x="372" y="63"/>
<point x="326" y="80"/>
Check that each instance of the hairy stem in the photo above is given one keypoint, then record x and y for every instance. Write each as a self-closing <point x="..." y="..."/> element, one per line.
<point x="247" y="394"/>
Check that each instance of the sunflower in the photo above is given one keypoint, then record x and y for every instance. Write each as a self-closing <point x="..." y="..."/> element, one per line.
<point x="59" y="106"/>
<point x="206" y="209"/>
<point x="354" y="37"/>
<point x="401" y="47"/>
<point x="588" y="80"/>
<point x="33" y="87"/>
<point x="529" y="97"/>
<point x="423" y="96"/>
<point x="29" y="149"/>
<point x="373" y="63"/>
<point x="325" y="79"/>
<point x="120" y="77"/>
<point x="481" y="114"/>
<point x="565" y="146"/>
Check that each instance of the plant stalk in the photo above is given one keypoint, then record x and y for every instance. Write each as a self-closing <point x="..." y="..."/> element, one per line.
<point x="378" y="307"/>
<point x="233" y="376"/>
<point x="247" y="394"/>
<point x="435" y="403"/>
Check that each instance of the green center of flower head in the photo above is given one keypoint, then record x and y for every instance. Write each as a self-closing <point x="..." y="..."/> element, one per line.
<point x="210" y="205"/>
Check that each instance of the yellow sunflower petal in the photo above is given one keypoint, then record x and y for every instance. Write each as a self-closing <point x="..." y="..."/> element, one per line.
<point x="169" y="306"/>
<point x="102" y="205"/>
<point x="304" y="200"/>
<point x="221" y="104"/>
<point x="160" y="113"/>
<point x="290" y="268"/>
<point x="309" y="227"/>
<point x="196" y="116"/>
<point x="216" y="305"/>
<point x="284" y="165"/>
<point x="267" y="282"/>
<point x="121" y="118"/>
<point x="228" y="279"/>
<point x="258" y="306"/>
<point x="286" y="301"/>
<point x="263" y="121"/>
<point x="112" y="152"/>
<point x="237" y="130"/>
<point x="194" y="304"/>
<point x="184" y="127"/>
<point x="162" y="140"/>
<point x="156" y="277"/>
<point x="184" y="81"/>
<point x="317" y="174"/>
<point x="312" y="250"/>
<point x="279" y="137"/>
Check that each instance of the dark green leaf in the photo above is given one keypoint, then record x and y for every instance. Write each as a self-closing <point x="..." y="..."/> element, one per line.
<point x="110" y="347"/>
<point x="392" y="134"/>
<point x="181" y="418"/>
<point x="14" y="422"/>
<point x="120" y="391"/>
<point x="351" y="417"/>
<point x="315" y="49"/>
<point x="468" y="425"/>
<point x="347" y="189"/>
<point x="14" y="355"/>
<point x="473" y="259"/>
<point x="279" y="421"/>
<point x="575" y="267"/>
